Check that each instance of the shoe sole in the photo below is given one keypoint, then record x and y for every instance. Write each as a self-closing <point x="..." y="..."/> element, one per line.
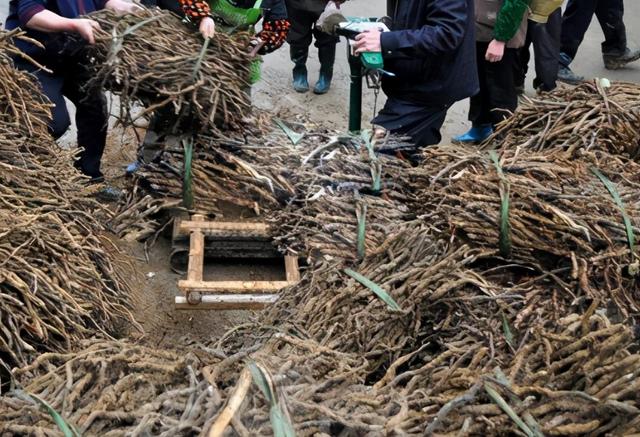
<point x="618" y="65"/>
<point x="570" y="81"/>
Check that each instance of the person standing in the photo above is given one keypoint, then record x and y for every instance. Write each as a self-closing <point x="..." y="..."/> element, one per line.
<point x="303" y="15"/>
<point x="430" y="50"/>
<point x="543" y="32"/>
<point x="50" y="22"/>
<point x="575" y="22"/>
<point x="501" y="28"/>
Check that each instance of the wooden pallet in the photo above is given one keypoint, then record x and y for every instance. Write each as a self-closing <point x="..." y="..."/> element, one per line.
<point x="226" y="295"/>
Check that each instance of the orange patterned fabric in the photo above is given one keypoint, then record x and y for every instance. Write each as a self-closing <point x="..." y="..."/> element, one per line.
<point x="195" y="10"/>
<point x="274" y="34"/>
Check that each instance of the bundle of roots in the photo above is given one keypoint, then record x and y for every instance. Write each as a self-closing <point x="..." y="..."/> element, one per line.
<point x="23" y="108"/>
<point x="58" y="279"/>
<point x="154" y="58"/>
<point x="589" y="117"/>
<point x="565" y="217"/>
<point x="326" y="196"/>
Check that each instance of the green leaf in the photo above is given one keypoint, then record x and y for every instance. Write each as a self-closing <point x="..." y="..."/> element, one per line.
<point x="279" y="421"/>
<point x="361" y="215"/>
<point x="294" y="137"/>
<point x="499" y="400"/>
<point x="613" y="190"/>
<point x="508" y="335"/>
<point x="377" y="290"/>
<point x="505" y="204"/>
<point x="67" y="430"/>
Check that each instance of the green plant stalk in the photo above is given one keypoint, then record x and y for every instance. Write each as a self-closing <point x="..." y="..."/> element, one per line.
<point x="375" y="288"/>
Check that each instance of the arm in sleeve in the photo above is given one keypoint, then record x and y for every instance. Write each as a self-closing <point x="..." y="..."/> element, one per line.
<point x="27" y="9"/>
<point x="274" y="10"/>
<point x="447" y="21"/>
<point x="195" y="10"/>
<point x="509" y="19"/>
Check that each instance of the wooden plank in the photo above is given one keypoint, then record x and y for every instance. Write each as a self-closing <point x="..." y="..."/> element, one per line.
<point x="232" y="286"/>
<point x="225" y="229"/>
<point x="292" y="268"/>
<point x="196" y="253"/>
<point x="228" y="302"/>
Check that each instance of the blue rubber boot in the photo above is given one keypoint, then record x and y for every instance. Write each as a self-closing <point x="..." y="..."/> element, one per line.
<point x="476" y="135"/>
<point x="327" y="56"/>
<point x="299" y="58"/>
<point x="133" y="168"/>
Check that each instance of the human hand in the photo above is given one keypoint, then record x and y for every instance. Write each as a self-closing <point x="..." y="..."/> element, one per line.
<point x="368" y="41"/>
<point x="495" y="51"/>
<point x="122" y="6"/>
<point x="85" y="27"/>
<point x="207" y="27"/>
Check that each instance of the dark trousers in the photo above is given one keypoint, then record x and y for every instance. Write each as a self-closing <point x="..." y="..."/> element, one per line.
<point x="577" y="18"/>
<point x="69" y="78"/>
<point x="420" y="122"/>
<point x="498" y="96"/>
<point x="303" y="30"/>
<point x="545" y="38"/>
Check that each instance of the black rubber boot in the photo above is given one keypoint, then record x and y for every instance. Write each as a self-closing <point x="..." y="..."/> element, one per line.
<point x="327" y="56"/>
<point x="616" y="61"/>
<point x="299" y="57"/>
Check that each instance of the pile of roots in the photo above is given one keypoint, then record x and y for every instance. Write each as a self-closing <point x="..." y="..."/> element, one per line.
<point x="488" y="291"/>
<point x="113" y="388"/>
<point x="59" y="282"/>
<point x="593" y="116"/>
<point x="154" y="58"/>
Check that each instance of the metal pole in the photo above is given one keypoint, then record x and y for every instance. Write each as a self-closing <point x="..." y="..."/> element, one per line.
<point x="355" y="92"/>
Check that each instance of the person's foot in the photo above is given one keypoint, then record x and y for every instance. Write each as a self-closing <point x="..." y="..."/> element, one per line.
<point x="323" y="84"/>
<point x="107" y="193"/>
<point x="566" y="75"/>
<point x="616" y="61"/>
<point x="300" y="81"/>
<point x="475" y="135"/>
<point x="133" y="168"/>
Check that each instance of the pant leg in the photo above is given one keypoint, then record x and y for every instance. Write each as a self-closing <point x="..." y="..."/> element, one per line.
<point x="52" y="85"/>
<point x="92" y="114"/>
<point x="546" y="46"/>
<point x="610" y="14"/>
<point x="521" y="66"/>
<point x="300" y="34"/>
<point x="421" y="123"/>
<point x="478" y="107"/>
<point x="499" y="97"/>
<point x="575" y="22"/>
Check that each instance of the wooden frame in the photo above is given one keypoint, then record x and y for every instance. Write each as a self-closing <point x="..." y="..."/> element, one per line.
<point x="226" y="295"/>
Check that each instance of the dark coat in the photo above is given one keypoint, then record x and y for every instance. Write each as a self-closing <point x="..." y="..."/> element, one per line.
<point x="315" y="6"/>
<point x="431" y="49"/>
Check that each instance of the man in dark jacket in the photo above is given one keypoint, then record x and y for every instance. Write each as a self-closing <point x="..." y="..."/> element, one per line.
<point x="431" y="51"/>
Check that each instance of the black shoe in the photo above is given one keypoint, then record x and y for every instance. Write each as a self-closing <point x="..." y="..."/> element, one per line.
<point x="567" y="76"/>
<point x="108" y="193"/>
<point x="616" y="61"/>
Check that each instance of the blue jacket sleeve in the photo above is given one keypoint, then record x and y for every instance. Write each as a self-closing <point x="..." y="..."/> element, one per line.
<point x="444" y="32"/>
<point x="274" y="10"/>
<point x="27" y="9"/>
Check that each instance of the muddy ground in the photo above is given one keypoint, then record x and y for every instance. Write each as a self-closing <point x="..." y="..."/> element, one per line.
<point x="155" y="284"/>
